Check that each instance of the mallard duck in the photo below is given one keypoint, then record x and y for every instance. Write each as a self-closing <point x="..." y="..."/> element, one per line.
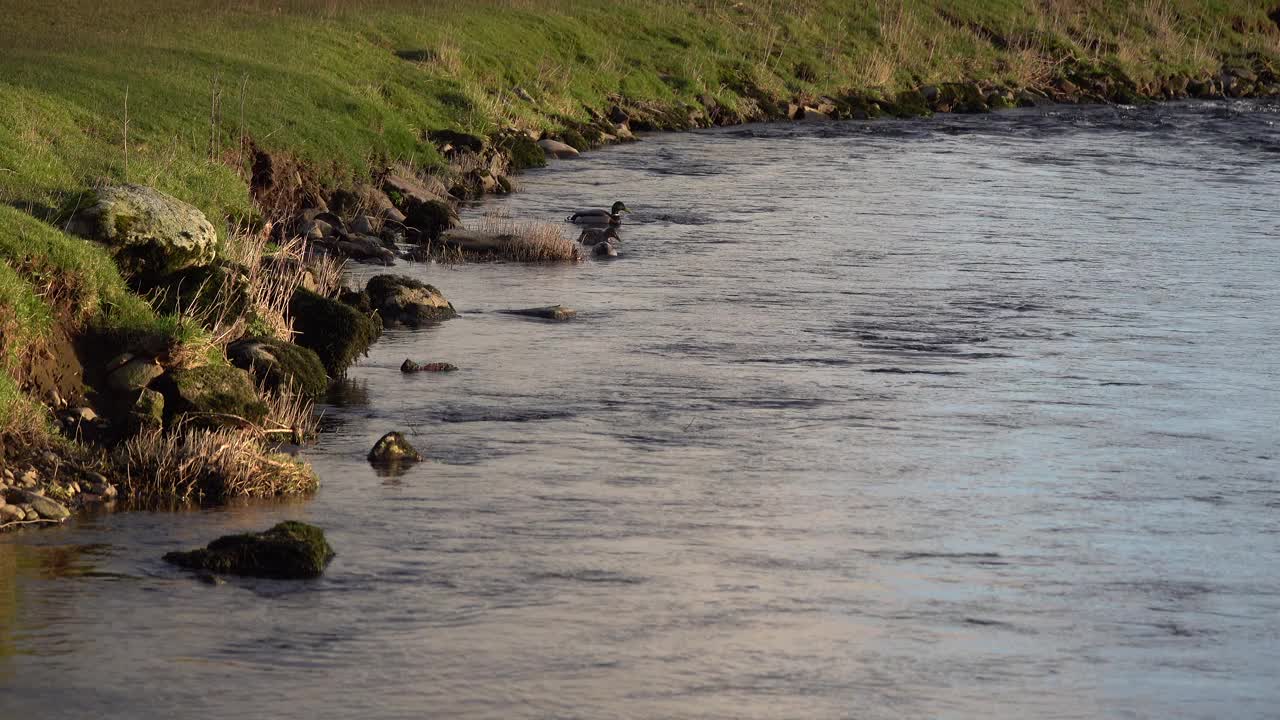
<point x="612" y="216"/>
<point x="597" y="235"/>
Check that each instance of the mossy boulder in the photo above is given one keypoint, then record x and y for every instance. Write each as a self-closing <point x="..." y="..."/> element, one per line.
<point x="212" y="394"/>
<point x="911" y="103"/>
<point x="222" y="287"/>
<point x="523" y="151"/>
<point x="575" y="139"/>
<point x="401" y="300"/>
<point x="430" y="218"/>
<point x="337" y="333"/>
<point x="278" y="365"/>
<point x="393" y="448"/>
<point x="289" y="551"/>
<point x="151" y="234"/>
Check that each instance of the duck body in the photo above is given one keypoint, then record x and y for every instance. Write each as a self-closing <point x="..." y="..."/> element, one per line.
<point x="597" y="235"/>
<point x="599" y="217"/>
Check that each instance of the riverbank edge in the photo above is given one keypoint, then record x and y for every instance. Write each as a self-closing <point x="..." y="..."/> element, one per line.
<point x="79" y="476"/>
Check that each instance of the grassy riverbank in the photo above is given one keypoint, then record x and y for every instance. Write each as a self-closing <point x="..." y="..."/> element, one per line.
<point x="182" y="95"/>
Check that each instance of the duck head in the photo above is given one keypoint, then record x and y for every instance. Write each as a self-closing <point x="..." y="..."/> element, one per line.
<point x="618" y="208"/>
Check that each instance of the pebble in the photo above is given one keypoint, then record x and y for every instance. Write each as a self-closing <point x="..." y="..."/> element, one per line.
<point x="8" y="474"/>
<point x="32" y="514"/>
<point x="12" y="513"/>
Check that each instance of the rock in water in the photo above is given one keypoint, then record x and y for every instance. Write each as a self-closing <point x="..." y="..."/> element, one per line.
<point x="336" y="332"/>
<point x="290" y="550"/>
<point x="555" y="148"/>
<point x="409" y="366"/>
<point x="552" y="312"/>
<point x="393" y="448"/>
<point x="403" y="300"/>
<point x="149" y="233"/>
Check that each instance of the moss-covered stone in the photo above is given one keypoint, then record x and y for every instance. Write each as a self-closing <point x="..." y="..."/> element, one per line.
<point x="335" y="331"/>
<point x="278" y="364"/>
<point x="211" y="395"/>
<point x="431" y="218"/>
<point x="401" y="300"/>
<point x="523" y="151"/>
<point x="222" y="286"/>
<point x="910" y="104"/>
<point x="393" y="448"/>
<point x="291" y="550"/>
<point x="574" y="139"/>
<point x="151" y="234"/>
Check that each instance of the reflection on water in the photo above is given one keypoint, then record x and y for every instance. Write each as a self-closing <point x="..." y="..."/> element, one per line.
<point x="965" y="417"/>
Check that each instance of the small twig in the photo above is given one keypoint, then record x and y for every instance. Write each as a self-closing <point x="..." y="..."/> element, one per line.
<point x="12" y="523"/>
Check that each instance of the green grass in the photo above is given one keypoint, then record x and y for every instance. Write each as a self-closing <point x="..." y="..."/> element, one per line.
<point x="170" y="93"/>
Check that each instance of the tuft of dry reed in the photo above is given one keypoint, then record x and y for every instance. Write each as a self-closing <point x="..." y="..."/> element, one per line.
<point x="187" y="466"/>
<point x="529" y="241"/>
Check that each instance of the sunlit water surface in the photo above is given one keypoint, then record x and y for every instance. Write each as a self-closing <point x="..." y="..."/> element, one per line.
<point x="963" y="418"/>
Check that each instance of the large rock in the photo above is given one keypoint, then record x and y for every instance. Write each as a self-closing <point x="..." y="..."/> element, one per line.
<point x="47" y="509"/>
<point x="393" y="448"/>
<point x="336" y="332"/>
<point x="557" y="149"/>
<point x="431" y="218"/>
<point x="211" y="394"/>
<point x="134" y="374"/>
<point x="278" y="364"/>
<point x="149" y="233"/>
<point x="403" y="300"/>
<point x="290" y="550"/>
<point x="425" y="208"/>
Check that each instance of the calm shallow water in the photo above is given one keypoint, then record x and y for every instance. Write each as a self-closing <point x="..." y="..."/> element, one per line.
<point x="967" y="417"/>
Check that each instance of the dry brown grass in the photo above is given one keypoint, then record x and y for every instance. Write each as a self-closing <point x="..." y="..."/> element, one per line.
<point x="529" y="241"/>
<point x="207" y="466"/>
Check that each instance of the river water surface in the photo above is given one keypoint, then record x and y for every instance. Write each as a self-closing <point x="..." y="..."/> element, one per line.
<point x="967" y="417"/>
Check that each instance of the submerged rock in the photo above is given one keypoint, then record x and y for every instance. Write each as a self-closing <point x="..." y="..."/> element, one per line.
<point x="290" y="550"/>
<point x="551" y="312"/>
<point x="149" y="233"/>
<point x="403" y="300"/>
<point x="393" y="448"/>
<point x="409" y="366"/>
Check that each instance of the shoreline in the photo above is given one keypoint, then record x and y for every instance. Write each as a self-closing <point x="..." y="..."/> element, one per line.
<point x="321" y="226"/>
<point x="80" y="479"/>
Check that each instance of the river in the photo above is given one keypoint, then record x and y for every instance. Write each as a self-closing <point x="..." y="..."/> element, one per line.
<point x="966" y="417"/>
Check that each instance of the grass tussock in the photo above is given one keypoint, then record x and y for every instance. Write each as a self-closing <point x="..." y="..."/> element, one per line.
<point x="529" y="241"/>
<point x="207" y="466"/>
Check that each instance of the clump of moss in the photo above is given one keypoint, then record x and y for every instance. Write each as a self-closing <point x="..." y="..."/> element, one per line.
<point x="210" y="392"/>
<point x="524" y="152"/>
<point x="291" y="550"/>
<point x="280" y="365"/>
<point x="336" y="332"/>
<point x="575" y="140"/>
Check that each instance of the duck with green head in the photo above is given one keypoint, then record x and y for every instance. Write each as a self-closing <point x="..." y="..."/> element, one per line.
<point x="595" y="216"/>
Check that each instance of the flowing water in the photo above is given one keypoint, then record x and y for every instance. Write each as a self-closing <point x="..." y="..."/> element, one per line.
<point x="967" y="417"/>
